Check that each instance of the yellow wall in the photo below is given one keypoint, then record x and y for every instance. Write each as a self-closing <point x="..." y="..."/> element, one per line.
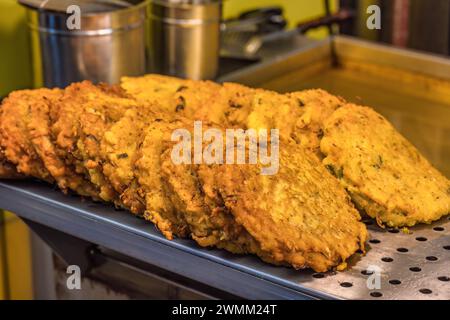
<point x="15" y="66"/>
<point x="294" y="10"/>
<point x="2" y="260"/>
<point x="18" y="259"/>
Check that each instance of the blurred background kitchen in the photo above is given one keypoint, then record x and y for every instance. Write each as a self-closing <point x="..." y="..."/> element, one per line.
<point x="251" y="32"/>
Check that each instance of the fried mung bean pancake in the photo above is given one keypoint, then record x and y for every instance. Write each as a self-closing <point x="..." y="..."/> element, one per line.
<point x="86" y="112"/>
<point x="197" y="204"/>
<point x="298" y="115"/>
<point x="301" y="215"/>
<point x="384" y="173"/>
<point x="115" y="144"/>
<point x="228" y="104"/>
<point x="153" y="88"/>
<point x="14" y="135"/>
<point x="158" y="207"/>
<point x="94" y="122"/>
<point x="317" y="106"/>
<point x="39" y="125"/>
<point x="120" y="148"/>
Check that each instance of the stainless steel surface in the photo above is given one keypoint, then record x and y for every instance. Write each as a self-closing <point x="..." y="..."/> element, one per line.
<point x="236" y="32"/>
<point x="415" y="265"/>
<point x="246" y="276"/>
<point x="242" y="276"/>
<point x="109" y="44"/>
<point x="411" y="89"/>
<point x="185" y="38"/>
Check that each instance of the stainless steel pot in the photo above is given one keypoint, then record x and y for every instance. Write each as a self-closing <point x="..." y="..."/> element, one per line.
<point x="109" y="43"/>
<point x="185" y="37"/>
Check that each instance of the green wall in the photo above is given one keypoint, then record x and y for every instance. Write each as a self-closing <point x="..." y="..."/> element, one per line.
<point x="15" y="63"/>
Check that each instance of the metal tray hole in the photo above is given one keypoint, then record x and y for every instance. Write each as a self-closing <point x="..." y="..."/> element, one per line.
<point x="415" y="269"/>
<point x="395" y="282"/>
<point x="387" y="259"/>
<point x="447" y="247"/>
<point x="374" y="241"/>
<point x="431" y="258"/>
<point x="318" y="275"/>
<point x="346" y="284"/>
<point x="438" y="229"/>
<point x="421" y="239"/>
<point x="425" y="291"/>
<point x="393" y="231"/>
<point x="376" y="294"/>
<point x="367" y="273"/>
<point x="402" y="250"/>
<point x="444" y="278"/>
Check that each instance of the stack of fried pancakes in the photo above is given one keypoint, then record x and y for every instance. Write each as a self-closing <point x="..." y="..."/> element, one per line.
<point x="336" y="162"/>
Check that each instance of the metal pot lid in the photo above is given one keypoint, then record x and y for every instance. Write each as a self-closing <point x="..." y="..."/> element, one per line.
<point x="88" y="6"/>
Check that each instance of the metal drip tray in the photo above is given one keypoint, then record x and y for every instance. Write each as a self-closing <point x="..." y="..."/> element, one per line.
<point x="413" y="265"/>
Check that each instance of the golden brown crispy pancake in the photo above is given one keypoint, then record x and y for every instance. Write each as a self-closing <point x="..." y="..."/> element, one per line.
<point x="298" y="115"/>
<point x="119" y="150"/>
<point x="85" y="113"/>
<point x="227" y="104"/>
<point x="97" y="118"/>
<point x="153" y="88"/>
<point x="196" y="203"/>
<point x="300" y="215"/>
<point x="38" y="126"/>
<point x="148" y="182"/>
<point x="14" y="135"/>
<point x="199" y="207"/>
<point x="317" y="106"/>
<point x="271" y="110"/>
<point x="7" y="169"/>
<point x="385" y="174"/>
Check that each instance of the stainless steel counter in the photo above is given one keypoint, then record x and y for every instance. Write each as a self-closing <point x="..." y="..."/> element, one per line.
<point x="424" y="267"/>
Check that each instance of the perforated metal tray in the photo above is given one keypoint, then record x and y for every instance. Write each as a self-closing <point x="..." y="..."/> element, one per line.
<point x="413" y="91"/>
<point x="413" y="265"/>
